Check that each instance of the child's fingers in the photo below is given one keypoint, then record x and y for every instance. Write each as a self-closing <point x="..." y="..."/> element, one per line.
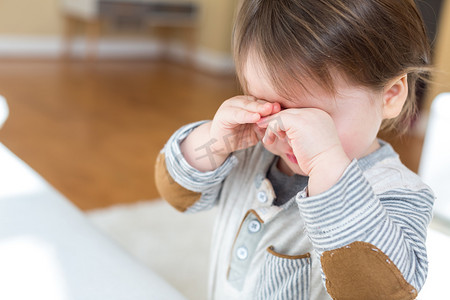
<point x="245" y="110"/>
<point x="275" y="122"/>
<point x="265" y="121"/>
<point x="232" y="116"/>
<point x="281" y="134"/>
<point x="260" y="132"/>
<point x="252" y="104"/>
<point x="273" y="130"/>
<point x="276" y="108"/>
<point x="240" y="116"/>
<point x="269" y="137"/>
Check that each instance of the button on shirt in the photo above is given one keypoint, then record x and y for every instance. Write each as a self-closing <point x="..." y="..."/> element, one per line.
<point x="254" y="226"/>
<point x="251" y="232"/>
<point x="242" y="253"/>
<point x="262" y="197"/>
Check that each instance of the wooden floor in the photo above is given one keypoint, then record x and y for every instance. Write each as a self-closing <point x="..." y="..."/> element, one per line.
<point x="93" y="130"/>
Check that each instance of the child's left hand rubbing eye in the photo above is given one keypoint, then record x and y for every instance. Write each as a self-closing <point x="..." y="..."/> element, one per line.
<point x="310" y="132"/>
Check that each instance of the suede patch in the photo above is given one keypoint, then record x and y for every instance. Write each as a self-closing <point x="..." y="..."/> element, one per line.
<point x="177" y="196"/>
<point x="362" y="271"/>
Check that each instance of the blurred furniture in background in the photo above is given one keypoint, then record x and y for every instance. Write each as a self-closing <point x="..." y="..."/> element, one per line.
<point x="49" y="249"/>
<point x="435" y="160"/>
<point x="431" y="11"/>
<point x="441" y="60"/>
<point x="162" y="14"/>
<point x="4" y="111"/>
<point x="435" y="171"/>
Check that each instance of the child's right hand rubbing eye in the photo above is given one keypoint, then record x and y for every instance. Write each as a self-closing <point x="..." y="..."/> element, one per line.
<point x="234" y="124"/>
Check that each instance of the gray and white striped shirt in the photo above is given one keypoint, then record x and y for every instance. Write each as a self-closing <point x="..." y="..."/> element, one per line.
<point x="265" y="251"/>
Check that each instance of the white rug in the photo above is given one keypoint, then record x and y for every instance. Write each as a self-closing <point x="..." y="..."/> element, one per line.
<point x="174" y="245"/>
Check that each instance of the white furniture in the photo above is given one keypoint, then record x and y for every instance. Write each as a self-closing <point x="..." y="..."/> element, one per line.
<point x="50" y="251"/>
<point x="435" y="160"/>
<point x="435" y="171"/>
<point x="86" y="9"/>
<point x="93" y="8"/>
<point x="178" y="14"/>
<point x="4" y="111"/>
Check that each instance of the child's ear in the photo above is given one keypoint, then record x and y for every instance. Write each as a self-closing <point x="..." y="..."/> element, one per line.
<point x="394" y="97"/>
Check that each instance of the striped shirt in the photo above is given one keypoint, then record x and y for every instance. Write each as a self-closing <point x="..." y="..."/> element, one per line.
<point x="265" y="251"/>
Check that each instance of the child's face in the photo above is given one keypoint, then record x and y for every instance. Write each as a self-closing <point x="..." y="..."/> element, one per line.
<point x="356" y="112"/>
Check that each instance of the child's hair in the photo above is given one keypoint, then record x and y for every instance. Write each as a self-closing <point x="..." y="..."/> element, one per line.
<point x="370" y="42"/>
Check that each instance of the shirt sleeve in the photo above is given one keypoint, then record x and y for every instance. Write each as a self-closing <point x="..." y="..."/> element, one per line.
<point x="208" y="184"/>
<point x="369" y="237"/>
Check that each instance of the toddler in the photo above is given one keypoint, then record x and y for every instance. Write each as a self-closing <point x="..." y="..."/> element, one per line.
<point x="311" y="205"/>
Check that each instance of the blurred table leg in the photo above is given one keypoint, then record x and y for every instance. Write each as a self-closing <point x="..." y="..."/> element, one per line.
<point x="68" y="33"/>
<point x="93" y="28"/>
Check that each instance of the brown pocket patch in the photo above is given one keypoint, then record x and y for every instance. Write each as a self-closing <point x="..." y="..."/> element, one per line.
<point x="272" y="251"/>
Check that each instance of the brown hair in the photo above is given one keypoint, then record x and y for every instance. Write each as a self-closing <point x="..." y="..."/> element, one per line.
<point x="370" y="42"/>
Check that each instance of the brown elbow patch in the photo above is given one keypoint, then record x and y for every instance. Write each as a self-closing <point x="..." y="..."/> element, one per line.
<point x="171" y="191"/>
<point x="362" y="271"/>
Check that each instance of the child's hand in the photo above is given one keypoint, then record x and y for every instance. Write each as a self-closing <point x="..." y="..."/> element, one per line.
<point x="234" y="125"/>
<point x="312" y="135"/>
<point x="233" y="128"/>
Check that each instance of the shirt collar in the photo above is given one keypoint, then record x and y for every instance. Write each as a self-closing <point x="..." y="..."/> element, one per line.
<point x="385" y="151"/>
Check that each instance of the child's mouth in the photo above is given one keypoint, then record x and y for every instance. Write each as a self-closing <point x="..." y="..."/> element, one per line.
<point x="292" y="158"/>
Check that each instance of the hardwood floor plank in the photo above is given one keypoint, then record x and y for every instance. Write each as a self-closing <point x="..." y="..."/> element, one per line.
<point x="94" y="130"/>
